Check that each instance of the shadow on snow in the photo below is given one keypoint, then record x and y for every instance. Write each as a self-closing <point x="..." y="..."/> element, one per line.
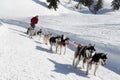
<point x="67" y="69"/>
<point x="40" y="3"/>
<point x="43" y="49"/>
<point x="16" y="22"/>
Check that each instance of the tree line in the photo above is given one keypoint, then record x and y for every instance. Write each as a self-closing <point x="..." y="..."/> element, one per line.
<point x="93" y="5"/>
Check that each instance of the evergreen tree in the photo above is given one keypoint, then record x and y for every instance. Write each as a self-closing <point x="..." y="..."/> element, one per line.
<point x="115" y="4"/>
<point x="98" y="6"/>
<point x="48" y="0"/>
<point x="83" y="2"/>
<point x="53" y="4"/>
<point x="86" y="2"/>
<point x="95" y="6"/>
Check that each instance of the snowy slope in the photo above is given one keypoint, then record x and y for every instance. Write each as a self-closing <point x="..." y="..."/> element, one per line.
<point x="26" y="8"/>
<point x="22" y="58"/>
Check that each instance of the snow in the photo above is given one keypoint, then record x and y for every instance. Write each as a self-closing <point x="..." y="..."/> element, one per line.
<point x="22" y="58"/>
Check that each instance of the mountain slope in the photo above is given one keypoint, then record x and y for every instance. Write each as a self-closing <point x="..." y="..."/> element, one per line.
<point x="22" y="58"/>
<point x="26" y="8"/>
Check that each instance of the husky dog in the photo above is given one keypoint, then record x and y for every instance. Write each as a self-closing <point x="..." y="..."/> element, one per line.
<point x="39" y="33"/>
<point x="30" y="32"/>
<point x="62" y="43"/>
<point x="97" y="59"/>
<point x="53" y="41"/>
<point x="83" y="53"/>
<point x="46" y="38"/>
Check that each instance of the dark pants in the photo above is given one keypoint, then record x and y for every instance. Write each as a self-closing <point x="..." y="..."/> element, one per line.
<point x="31" y="25"/>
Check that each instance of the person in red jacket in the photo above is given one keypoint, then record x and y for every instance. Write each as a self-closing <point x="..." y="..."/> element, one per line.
<point x="34" y="20"/>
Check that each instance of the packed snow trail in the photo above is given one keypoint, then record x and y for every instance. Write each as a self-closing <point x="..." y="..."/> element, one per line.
<point x="101" y="29"/>
<point x="22" y="58"/>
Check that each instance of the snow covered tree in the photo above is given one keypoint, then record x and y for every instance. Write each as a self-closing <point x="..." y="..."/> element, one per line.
<point x="48" y="0"/>
<point x="95" y="6"/>
<point x="87" y="2"/>
<point x="53" y="4"/>
<point x="83" y="2"/>
<point x="98" y="6"/>
<point x="115" y="4"/>
<point x="79" y="4"/>
<point x="69" y="1"/>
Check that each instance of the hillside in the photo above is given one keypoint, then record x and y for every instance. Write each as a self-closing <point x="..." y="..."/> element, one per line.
<point x="22" y="58"/>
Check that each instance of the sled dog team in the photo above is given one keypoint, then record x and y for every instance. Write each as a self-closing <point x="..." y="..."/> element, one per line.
<point x="85" y="53"/>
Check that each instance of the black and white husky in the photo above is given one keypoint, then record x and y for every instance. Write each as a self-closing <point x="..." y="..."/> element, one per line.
<point x="97" y="59"/>
<point x="30" y="32"/>
<point x="47" y="37"/>
<point x="83" y="53"/>
<point x="53" y="41"/>
<point x="62" y="44"/>
<point x="39" y="33"/>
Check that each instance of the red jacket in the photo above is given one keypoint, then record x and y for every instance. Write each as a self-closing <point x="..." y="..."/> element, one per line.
<point x="34" y="20"/>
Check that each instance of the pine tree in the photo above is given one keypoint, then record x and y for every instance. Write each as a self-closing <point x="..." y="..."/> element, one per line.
<point x="115" y="4"/>
<point x="84" y="2"/>
<point x="95" y="6"/>
<point x="48" y="0"/>
<point x="87" y="2"/>
<point x="53" y="4"/>
<point x="98" y="6"/>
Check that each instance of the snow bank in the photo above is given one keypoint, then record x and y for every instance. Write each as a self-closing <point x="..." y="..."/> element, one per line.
<point x="3" y="29"/>
<point x="26" y="8"/>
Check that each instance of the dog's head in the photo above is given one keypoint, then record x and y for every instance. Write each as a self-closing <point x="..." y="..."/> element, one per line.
<point x="91" y="48"/>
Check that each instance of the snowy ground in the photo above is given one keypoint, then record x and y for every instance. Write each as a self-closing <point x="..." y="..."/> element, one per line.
<point x="22" y="58"/>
